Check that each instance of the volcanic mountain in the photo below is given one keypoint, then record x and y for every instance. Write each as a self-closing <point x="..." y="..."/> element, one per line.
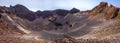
<point x="21" y="25"/>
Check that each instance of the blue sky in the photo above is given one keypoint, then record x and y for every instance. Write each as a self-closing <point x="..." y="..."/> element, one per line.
<point x="58" y="4"/>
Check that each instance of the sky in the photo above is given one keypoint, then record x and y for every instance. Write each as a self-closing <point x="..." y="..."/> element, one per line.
<point x="35" y="5"/>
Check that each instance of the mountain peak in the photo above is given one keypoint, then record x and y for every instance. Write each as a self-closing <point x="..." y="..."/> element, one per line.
<point x="103" y="4"/>
<point x="109" y="12"/>
<point x="74" y="10"/>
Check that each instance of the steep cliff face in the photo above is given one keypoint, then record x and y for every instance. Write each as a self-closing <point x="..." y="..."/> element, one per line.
<point x="108" y="11"/>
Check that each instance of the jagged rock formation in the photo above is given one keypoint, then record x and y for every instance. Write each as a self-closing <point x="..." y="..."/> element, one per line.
<point x="108" y="11"/>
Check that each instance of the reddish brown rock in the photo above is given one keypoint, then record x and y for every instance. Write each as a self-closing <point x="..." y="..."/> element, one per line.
<point x="99" y="8"/>
<point x="5" y="29"/>
<point x="109" y="12"/>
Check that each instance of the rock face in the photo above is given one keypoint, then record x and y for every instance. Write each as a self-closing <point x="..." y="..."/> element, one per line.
<point x="109" y="12"/>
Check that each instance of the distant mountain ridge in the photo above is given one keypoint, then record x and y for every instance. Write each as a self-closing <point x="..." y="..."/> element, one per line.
<point x="25" y="13"/>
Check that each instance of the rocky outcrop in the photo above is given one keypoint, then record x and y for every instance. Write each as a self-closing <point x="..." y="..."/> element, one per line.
<point x="108" y="11"/>
<point x="74" y="10"/>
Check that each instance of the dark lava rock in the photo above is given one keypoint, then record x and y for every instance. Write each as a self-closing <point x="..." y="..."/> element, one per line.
<point x="22" y="12"/>
<point x="74" y="10"/>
